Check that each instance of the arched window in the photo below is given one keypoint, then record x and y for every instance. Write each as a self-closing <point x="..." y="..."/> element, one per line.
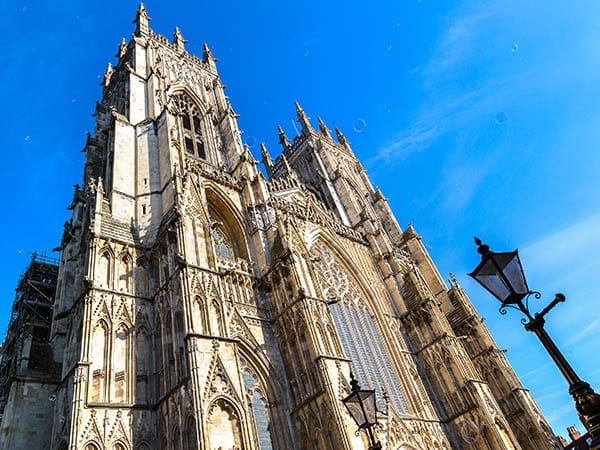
<point x="142" y="366"/>
<point x="221" y="245"/>
<point x="118" y="446"/>
<point x="190" y="441"/>
<point x="260" y="411"/>
<point x="104" y="270"/>
<point x="124" y="273"/>
<point x="224" y="426"/>
<point x="98" y="352"/>
<point x="91" y="446"/>
<point x="176" y="438"/>
<point x="357" y="330"/>
<point x="191" y="125"/>
<point x="120" y="358"/>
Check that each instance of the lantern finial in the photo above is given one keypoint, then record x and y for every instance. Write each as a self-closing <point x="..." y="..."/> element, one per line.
<point x="482" y="248"/>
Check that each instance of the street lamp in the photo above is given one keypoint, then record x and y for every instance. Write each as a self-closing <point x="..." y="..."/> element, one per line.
<point x="502" y="275"/>
<point x="361" y="406"/>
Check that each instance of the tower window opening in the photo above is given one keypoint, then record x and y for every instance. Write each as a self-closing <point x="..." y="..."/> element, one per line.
<point x="192" y="126"/>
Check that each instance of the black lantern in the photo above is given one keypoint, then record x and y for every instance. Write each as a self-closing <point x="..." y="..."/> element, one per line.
<point x="361" y="404"/>
<point x="501" y="274"/>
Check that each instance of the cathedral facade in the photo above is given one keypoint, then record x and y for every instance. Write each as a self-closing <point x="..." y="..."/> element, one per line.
<point x="203" y="305"/>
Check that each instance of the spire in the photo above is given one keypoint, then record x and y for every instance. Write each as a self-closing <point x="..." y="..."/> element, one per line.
<point x="266" y="158"/>
<point x="178" y="39"/>
<point x="323" y="128"/>
<point x="206" y="52"/>
<point x="302" y="118"/>
<point x="341" y="138"/>
<point x="208" y="57"/>
<point x="283" y="140"/>
<point x="141" y="20"/>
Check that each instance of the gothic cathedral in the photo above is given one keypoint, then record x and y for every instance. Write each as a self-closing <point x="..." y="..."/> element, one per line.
<point x="203" y="305"/>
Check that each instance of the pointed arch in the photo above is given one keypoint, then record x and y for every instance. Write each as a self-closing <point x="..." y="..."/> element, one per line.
<point x="104" y="275"/>
<point x="191" y="122"/>
<point x="351" y="309"/>
<point x="125" y="272"/>
<point x="228" y="219"/>
<point x="142" y="351"/>
<point x="121" y="356"/>
<point x="190" y="438"/>
<point x="224" y="427"/>
<point x="259" y="408"/>
<point x="98" y="355"/>
<point x="176" y="438"/>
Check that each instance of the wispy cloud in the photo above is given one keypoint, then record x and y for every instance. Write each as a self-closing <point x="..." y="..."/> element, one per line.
<point x="564" y="248"/>
<point x="434" y="121"/>
<point x="589" y="331"/>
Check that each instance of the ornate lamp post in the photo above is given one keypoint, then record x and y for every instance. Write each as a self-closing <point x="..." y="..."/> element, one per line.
<point x="361" y="406"/>
<point x="502" y="275"/>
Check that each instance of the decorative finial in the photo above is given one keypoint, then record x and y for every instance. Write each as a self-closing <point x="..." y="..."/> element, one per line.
<point x="178" y="39"/>
<point x="283" y="140"/>
<point x="302" y="118"/>
<point x="206" y="52"/>
<point x="266" y="158"/>
<point x="482" y="248"/>
<point x="108" y="74"/>
<point x="324" y="128"/>
<point x="453" y="281"/>
<point x="354" y="383"/>
<point x="141" y="20"/>
<point x="122" y="48"/>
<point x="286" y="164"/>
<point x="341" y="138"/>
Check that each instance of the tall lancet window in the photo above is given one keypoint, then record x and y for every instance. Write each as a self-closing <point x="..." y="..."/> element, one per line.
<point x="190" y="125"/>
<point x="260" y="411"/>
<point x="360" y="337"/>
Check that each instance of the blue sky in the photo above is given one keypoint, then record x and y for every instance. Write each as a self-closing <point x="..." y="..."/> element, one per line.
<point x="473" y="117"/>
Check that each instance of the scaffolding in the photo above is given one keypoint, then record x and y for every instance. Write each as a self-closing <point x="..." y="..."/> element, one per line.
<point x="26" y="352"/>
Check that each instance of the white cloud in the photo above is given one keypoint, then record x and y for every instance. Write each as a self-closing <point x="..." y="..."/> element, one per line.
<point x="566" y="248"/>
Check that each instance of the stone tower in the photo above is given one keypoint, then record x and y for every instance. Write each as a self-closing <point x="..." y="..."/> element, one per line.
<point x="202" y="305"/>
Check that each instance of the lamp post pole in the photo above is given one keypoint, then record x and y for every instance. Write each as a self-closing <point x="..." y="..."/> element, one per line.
<point x="502" y="275"/>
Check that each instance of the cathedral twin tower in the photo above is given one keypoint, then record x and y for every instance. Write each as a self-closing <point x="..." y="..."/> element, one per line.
<point x="202" y="305"/>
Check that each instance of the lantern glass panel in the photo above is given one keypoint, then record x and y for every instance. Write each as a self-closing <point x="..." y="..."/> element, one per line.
<point x="488" y="276"/>
<point x="361" y="406"/>
<point x="513" y="271"/>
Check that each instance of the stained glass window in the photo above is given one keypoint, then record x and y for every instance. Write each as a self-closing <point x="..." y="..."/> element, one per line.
<point x="259" y="411"/>
<point x="221" y="245"/>
<point x="359" y="335"/>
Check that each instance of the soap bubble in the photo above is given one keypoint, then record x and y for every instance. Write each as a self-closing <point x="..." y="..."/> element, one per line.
<point x="250" y="141"/>
<point x="500" y="118"/>
<point x="515" y="48"/>
<point x="359" y="125"/>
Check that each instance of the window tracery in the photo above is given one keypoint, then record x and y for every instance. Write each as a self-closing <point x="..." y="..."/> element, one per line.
<point x="221" y="245"/>
<point x="259" y="407"/>
<point x="356" y="328"/>
<point x="190" y="125"/>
